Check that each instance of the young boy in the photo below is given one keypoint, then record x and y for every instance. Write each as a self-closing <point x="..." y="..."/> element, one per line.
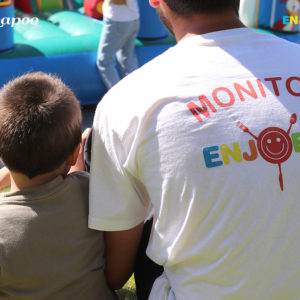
<point x="46" y="248"/>
<point x="120" y="28"/>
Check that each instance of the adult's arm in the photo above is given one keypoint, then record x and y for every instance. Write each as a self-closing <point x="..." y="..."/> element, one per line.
<point x="121" y="249"/>
<point x="119" y="202"/>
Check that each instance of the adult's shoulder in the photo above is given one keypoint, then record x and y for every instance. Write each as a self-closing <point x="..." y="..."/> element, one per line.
<point x="141" y="88"/>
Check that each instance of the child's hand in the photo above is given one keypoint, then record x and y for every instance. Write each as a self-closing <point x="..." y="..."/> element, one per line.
<point x="79" y="165"/>
<point x="4" y="178"/>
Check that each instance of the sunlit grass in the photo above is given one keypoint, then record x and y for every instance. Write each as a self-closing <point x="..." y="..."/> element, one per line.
<point x="128" y="291"/>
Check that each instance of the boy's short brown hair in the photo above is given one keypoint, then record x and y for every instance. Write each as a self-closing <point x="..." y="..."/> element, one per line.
<point x="40" y="123"/>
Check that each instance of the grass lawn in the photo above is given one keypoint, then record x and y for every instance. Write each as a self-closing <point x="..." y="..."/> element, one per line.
<point x="128" y="290"/>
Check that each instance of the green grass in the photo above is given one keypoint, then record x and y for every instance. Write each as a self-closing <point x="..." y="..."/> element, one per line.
<point x="128" y="291"/>
<point x="5" y="190"/>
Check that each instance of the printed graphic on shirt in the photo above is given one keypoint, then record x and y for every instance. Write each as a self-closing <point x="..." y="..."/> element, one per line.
<point x="274" y="144"/>
<point x="222" y="97"/>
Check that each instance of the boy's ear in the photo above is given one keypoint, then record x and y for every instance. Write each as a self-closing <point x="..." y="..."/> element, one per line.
<point x="71" y="160"/>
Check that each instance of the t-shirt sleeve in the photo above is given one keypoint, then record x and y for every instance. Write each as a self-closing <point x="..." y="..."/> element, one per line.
<point x="118" y="199"/>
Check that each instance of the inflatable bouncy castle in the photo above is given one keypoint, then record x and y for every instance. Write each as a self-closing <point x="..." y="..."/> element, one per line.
<point x="55" y="36"/>
<point x="280" y="15"/>
<point x="93" y="8"/>
<point x="64" y="41"/>
<point x="6" y="36"/>
<point x="38" y="6"/>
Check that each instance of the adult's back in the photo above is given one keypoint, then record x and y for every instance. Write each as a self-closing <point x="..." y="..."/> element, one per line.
<point x="208" y="134"/>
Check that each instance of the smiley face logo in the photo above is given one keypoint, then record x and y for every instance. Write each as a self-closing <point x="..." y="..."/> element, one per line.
<point x="274" y="144"/>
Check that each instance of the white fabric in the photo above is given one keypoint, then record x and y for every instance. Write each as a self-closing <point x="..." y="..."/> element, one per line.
<point x="221" y="231"/>
<point x="121" y="13"/>
<point x="247" y="12"/>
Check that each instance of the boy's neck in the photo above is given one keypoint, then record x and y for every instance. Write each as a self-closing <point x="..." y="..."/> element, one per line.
<point x="20" y="181"/>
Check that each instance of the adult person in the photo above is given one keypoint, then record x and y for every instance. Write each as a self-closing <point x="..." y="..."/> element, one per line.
<point x="120" y="28"/>
<point x="200" y="134"/>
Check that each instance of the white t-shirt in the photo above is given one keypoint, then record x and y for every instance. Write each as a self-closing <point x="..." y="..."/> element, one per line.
<point x="174" y="134"/>
<point x="121" y="13"/>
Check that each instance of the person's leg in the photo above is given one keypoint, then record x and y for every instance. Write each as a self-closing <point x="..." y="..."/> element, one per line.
<point x="145" y="270"/>
<point x="126" y="56"/>
<point x="110" y="43"/>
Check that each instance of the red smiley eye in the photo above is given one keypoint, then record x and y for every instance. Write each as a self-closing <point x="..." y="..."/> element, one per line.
<point x="269" y="141"/>
<point x="278" y="140"/>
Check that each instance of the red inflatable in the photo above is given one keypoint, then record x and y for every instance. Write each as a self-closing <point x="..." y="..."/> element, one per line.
<point x="93" y="8"/>
<point x="24" y="5"/>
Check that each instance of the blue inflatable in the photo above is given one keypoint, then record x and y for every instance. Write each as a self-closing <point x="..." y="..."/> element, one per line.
<point x="65" y="43"/>
<point x="6" y="34"/>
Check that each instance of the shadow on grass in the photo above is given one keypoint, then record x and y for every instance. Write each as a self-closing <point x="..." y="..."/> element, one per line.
<point x="126" y="294"/>
<point x="128" y="291"/>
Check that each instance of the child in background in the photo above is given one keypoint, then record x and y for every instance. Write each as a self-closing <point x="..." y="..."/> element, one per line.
<point x="46" y="248"/>
<point x="120" y="28"/>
